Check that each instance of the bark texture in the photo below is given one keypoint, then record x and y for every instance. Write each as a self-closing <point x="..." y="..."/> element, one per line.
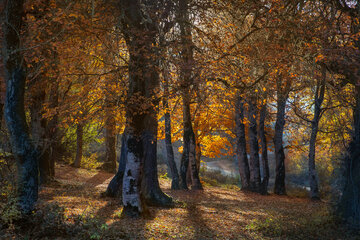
<point x="240" y="148"/>
<point x="255" y="179"/>
<point x="282" y="96"/>
<point x="140" y="28"/>
<point x="264" y="151"/>
<point x="349" y="204"/>
<point x="23" y="149"/>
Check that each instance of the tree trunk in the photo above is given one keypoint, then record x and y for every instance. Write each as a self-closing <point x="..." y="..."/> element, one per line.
<point x="282" y="96"/>
<point x="154" y="196"/>
<point x="114" y="188"/>
<point x="254" y="150"/>
<point x="38" y="133"/>
<point x="132" y="198"/>
<point x="241" y="154"/>
<point x="175" y="184"/>
<point x="186" y="76"/>
<point x="264" y="151"/>
<point x="110" y="143"/>
<point x="349" y="205"/>
<point x="52" y="129"/>
<point x="319" y="98"/>
<point x="79" y="145"/>
<point x="189" y="149"/>
<point x="22" y="147"/>
<point x="141" y="32"/>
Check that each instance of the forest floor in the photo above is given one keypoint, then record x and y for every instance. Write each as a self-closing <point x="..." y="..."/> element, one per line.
<point x="214" y="213"/>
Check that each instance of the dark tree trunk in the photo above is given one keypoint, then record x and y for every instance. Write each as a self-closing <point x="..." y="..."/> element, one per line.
<point x="198" y="156"/>
<point x="79" y="145"/>
<point x="151" y="187"/>
<point x="264" y="151"/>
<point x="23" y="149"/>
<point x="189" y="150"/>
<point x="254" y="149"/>
<point x="319" y="98"/>
<point x="110" y="143"/>
<point x="282" y="96"/>
<point x="38" y="133"/>
<point x="240" y="147"/>
<point x="141" y="34"/>
<point x="186" y="76"/>
<point x="175" y="184"/>
<point x="349" y="205"/>
<point x="114" y="188"/>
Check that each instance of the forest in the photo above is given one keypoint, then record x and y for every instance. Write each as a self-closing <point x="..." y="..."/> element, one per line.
<point x="183" y="119"/>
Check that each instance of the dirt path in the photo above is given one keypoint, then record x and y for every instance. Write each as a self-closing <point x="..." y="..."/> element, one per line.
<point x="214" y="213"/>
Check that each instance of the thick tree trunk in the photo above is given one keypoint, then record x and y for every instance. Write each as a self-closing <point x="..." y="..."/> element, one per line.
<point x="175" y="184"/>
<point x="349" y="205"/>
<point x="110" y="143"/>
<point x="141" y="34"/>
<point x="79" y="145"/>
<point x="114" y="188"/>
<point x="240" y="147"/>
<point x="282" y="96"/>
<point x="319" y="98"/>
<point x="254" y="150"/>
<point x="264" y="151"/>
<point x="25" y="153"/>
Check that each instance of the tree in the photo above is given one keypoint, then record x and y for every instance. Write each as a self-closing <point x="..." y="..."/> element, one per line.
<point x="318" y="100"/>
<point x="139" y="26"/>
<point x="241" y="154"/>
<point x="24" y="151"/>
<point x="188" y="158"/>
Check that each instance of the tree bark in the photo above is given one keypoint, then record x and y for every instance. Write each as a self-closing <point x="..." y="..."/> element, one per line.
<point x="254" y="149"/>
<point x="79" y="145"/>
<point x="282" y="96"/>
<point x="319" y="98"/>
<point x="186" y="76"/>
<point x="349" y="204"/>
<point x="114" y="188"/>
<point x="264" y="151"/>
<point x="110" y="143"/>
<point x="141" y="32"/>
<point x="189" y="150"/>
<point x="175" y="184"/>
<point x="154" y="196"/>
<point x="23" y="149"/>
<point x="240" y="147"/>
